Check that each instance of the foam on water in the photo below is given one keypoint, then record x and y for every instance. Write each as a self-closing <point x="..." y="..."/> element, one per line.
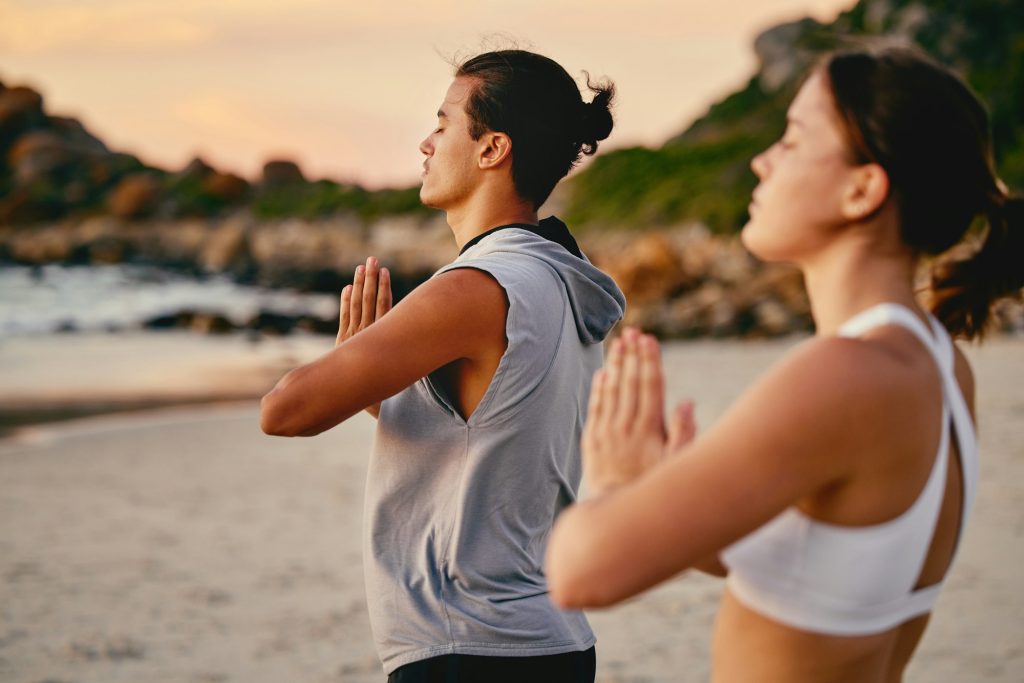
<point x="41" y="300"/>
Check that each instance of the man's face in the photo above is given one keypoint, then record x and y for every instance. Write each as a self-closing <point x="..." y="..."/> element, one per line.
<point x="450" y="171"/>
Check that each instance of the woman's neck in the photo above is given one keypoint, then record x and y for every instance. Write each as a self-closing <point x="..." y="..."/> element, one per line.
<point x="854" y="275"/>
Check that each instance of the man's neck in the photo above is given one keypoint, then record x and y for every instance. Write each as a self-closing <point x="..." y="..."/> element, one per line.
<point x="481" y="213"/>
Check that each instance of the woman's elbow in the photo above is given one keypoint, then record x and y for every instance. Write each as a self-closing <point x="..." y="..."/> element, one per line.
<point x="572" y="580"/>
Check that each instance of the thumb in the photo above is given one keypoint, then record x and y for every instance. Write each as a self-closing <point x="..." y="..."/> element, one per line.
<point x="681" y="426"/>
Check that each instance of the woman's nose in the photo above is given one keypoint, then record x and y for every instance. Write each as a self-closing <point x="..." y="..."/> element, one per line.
<point x="759" y="164"/>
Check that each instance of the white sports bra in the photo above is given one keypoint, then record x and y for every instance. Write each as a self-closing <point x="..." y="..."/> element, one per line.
<point x="857" y="580"/>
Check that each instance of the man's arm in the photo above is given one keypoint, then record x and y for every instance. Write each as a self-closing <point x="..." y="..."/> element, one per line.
<point x="454" y="315"/>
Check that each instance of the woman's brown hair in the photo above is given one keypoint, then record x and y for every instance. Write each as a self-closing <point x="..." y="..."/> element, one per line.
<point x="930" y="133"/>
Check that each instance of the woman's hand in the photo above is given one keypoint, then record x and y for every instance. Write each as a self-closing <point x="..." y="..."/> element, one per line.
<point x="362" y="303"/>
<point x="625" y="434"/>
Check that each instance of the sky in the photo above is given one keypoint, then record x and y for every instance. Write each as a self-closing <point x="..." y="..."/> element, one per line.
<point x="348" y="89"/>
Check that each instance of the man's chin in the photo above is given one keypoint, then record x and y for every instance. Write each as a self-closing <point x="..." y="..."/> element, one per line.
<point x="427" y="200"/>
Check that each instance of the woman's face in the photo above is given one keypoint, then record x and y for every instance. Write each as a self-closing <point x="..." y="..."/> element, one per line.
<point x="795" y="209"/>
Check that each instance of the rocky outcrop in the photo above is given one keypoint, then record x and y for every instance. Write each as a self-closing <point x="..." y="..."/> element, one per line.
<point x="281" y="173"/>
<point x="310" y="255"/>
<point x="689" y="283"/>
<point x="679" y="283"/>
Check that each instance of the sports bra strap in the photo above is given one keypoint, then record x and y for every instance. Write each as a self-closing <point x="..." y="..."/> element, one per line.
<point x="888" y="314"/>
<point x="939" y="344"/>
<point x="966" y="437"/>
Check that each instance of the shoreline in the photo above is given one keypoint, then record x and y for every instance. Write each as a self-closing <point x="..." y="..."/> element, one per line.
<point x="53" y="378"/>
<point x="94" y="374"/>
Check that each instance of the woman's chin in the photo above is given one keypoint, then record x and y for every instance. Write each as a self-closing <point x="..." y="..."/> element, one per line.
<point x="758" y="241"/>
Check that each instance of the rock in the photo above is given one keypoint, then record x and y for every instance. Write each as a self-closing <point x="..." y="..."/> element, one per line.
<point x="779" y="53"/>
<point x="211" y="323"/>
<point x="23" y="205"/>
<point x="227" y="248"/>
<point x="169" y="321"/>
<point x="272" y="323"/>
<point x="197" y="168"/>
<point x="647" y="270"/>
<point x="225" y="187"/>
<point x="281" y="172"/>
<point x="315" y="325"/>
<point x="41" y="245"/>
<point x="38" y="154"/>
<point x="772" y="318"/>
<point x="134" y="197"/>
<point x="76" y="136"/>
<point x="21" y="109"/>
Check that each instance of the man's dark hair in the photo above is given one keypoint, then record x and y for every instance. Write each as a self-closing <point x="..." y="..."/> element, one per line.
<point x="534" y="101"/>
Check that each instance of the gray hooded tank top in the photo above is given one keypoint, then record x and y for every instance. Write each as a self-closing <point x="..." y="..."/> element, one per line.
<point x="458" y="511"/>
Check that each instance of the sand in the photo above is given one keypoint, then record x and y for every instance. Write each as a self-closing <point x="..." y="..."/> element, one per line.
<point x="184" y="545"/>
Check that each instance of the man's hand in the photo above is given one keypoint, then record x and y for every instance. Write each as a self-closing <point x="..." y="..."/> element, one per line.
<point x="362" y="303"/>
<point x="365" y="300"/>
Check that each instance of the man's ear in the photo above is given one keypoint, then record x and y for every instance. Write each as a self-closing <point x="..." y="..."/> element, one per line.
<point x="495" y="148"/>
<point x="866" y="192"/>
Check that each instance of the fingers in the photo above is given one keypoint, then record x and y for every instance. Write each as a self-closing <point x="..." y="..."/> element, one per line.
<point x="650" y="384"/>
<point x="356" y="300"/>
<point x="682" y="427"/>
<point x="629" y="385"/>
<point x="344" y="313"/>
<point x="595" y="407"/>
<point x="611" y="379"/>
<point x="369" y="304"/>
<point x="383" y="293"/>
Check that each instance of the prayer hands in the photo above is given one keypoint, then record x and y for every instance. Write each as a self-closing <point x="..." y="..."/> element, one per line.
<point x="625" y="434"/>
<point x="365" y="300"/>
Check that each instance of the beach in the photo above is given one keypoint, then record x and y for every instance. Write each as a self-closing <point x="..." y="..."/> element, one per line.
<point x="183" y="545"/>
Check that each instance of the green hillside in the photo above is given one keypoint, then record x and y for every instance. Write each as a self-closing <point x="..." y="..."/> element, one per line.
<point x="703" y="174"/>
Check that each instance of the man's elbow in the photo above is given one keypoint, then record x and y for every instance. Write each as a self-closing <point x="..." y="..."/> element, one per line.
<point x="273" y="420"/>
<point x="280" y="417"/>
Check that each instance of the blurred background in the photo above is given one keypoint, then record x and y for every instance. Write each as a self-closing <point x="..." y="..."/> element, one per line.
<point x="186" y="186"/>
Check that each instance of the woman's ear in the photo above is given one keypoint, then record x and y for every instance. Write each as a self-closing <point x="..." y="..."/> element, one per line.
<point x="495" y="149"/>
<point x="866" y="193"/>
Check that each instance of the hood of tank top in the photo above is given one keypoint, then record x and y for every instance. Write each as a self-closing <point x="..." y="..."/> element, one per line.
<point x="597" y="302"/>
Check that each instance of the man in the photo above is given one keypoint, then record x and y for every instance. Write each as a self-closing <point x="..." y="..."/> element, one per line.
<point x="482" y="375"/>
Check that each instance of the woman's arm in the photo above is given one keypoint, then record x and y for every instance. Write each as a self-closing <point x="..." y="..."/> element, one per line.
<point x="454" y="315"/>
<point x="791" y="434"/>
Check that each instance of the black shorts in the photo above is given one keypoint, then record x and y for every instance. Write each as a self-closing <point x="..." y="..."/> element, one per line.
<point x="571" y="667"/>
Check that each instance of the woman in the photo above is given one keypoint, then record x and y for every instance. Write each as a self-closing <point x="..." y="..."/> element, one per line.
<point x="835" y="490"/>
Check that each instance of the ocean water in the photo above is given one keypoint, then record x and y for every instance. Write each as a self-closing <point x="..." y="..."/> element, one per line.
<point x="48" y="299"/>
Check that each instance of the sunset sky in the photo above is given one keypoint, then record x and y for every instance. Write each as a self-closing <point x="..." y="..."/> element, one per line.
<point x="348" y="89"/>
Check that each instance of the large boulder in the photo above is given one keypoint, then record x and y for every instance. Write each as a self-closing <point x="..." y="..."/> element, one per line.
<point x="280" y="173"/>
